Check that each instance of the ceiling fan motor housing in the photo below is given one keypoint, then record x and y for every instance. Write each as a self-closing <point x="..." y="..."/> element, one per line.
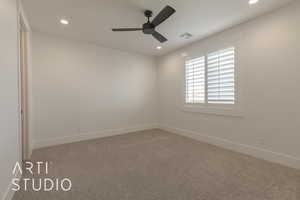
<point x="148" y="28"/>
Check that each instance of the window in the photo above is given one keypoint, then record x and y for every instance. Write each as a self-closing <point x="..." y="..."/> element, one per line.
<point x="211" y="79"/>
<point x="220" y="77"/>
<point x="195" y="80"/>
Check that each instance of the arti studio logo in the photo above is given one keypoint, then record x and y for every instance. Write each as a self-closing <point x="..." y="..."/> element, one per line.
<point x="38" y="184"/>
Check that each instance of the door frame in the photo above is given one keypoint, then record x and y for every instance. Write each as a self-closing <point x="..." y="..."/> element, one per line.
<point x="24" y="63"/>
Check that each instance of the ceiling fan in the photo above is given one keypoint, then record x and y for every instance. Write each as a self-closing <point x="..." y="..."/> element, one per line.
<point x="149" y="27"/>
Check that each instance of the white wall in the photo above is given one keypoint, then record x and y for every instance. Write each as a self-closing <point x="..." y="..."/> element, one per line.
<point x="268" y="60"/>
<point x="82" y="91"/>
<point x="9" y="140"/>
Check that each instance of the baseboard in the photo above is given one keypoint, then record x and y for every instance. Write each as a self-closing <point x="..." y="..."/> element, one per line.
<point x="8" y="195"/>
<point x="264" y="154"/>
<point x="92" y="135"/>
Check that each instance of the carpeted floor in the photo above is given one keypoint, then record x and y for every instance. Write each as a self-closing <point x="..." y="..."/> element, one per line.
<point x="156" y="165"/>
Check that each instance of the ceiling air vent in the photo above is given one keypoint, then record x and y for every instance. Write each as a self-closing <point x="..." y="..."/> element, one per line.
<point x="186" y="36"/>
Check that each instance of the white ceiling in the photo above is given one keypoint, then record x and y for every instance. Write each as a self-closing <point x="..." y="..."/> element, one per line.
<point x="92" y="20"/>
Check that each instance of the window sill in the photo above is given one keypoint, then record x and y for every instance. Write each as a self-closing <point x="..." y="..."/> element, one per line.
<point x="214" y="110"/>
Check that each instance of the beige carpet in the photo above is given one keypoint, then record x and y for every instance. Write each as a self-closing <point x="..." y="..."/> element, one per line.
<point x="156" y="165"/>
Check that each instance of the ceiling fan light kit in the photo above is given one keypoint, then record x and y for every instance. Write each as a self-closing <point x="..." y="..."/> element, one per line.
<point x="149" y="27"/>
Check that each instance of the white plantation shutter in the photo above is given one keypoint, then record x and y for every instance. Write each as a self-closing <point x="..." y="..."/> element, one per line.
<point x="195" y="80"/>
<point x="220" y="77"/>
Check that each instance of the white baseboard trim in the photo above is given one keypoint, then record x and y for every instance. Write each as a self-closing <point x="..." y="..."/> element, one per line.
<point x="9" y="194"/>
<point x="264" y="154"/>
<point x="91" y="135"/>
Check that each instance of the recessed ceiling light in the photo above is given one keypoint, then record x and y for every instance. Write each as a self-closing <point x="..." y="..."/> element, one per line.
<point x="251" y="2"/>
<point x="159" y="47"/>
<point x="64" y="21"/>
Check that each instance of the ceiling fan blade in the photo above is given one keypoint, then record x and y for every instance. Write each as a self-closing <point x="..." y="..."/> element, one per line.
<point x="159" y="37"/>
<point x="163" y="15"/>
<point x="127" y="29"/>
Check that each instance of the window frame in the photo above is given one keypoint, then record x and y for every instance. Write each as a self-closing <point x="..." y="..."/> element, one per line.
<point x="234" y="110"/>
